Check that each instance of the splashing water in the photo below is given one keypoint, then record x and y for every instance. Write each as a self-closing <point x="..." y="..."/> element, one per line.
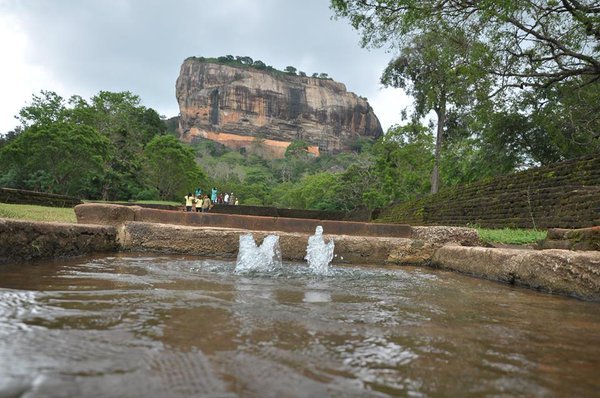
<point x="251" y="257"/>
<point x="318" y="253"/>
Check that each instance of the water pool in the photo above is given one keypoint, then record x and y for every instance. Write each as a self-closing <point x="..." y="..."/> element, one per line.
<point x="178" y="326"/>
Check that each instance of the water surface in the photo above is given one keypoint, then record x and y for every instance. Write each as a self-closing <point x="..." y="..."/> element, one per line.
<point x="179" y="326"/>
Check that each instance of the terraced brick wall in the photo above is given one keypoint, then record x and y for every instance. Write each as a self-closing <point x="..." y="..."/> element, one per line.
<point x="23" y="197"/>
<point x="561" y="195"/>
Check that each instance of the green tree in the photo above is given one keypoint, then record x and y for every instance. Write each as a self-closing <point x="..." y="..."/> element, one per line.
<point x="256" y="187"/>
<point x="62" y="158"/>
<point x="11" y="135"/>
<point x="170" y="168"/>
<point x="298" y="148"/>
<point x="542" y="59"/>
<point x="317" y="192"/>
<point x="129" y="126"/>
<point x="403" y="160"/>
<point x="119" y="117"/>
<point x="538" y="42"/>
<point x="437" y="69"/>
<point x="564" y="121"/>
<point x="259" y="65"/>
<point x="290" y="69"/>
<point x="44" y="109"/>
<point x="358" y="186"/>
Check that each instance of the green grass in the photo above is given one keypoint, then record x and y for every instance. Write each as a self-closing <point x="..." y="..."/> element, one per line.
<point x="37" y="213"/>
<point x="511" y="236"/>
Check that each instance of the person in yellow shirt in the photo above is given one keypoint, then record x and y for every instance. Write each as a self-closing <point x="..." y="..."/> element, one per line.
<point x="189" y="201"/>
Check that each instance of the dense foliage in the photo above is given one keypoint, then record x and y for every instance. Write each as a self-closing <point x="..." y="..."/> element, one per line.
<point x="110" y="148"/>
<point x="511" y="83"/>
<point x="113" y="148"/>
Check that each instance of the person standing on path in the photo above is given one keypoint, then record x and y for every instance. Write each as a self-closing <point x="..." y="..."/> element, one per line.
<point x="206" y="204"/>
<point x="189" y="201"/>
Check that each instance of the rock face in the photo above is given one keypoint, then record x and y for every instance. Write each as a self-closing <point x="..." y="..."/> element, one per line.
<point x="267" y="110"/>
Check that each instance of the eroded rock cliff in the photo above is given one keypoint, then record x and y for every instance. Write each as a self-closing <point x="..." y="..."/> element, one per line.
<point x="248" y="107"/>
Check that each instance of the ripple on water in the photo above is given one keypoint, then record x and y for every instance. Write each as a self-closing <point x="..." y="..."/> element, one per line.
<point x="175" y="326"/>
<point x="15" y="306"/>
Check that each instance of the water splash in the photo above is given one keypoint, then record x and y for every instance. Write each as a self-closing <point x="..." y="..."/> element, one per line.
<point x="263" y="258"/>
<point x="318" y="253"/>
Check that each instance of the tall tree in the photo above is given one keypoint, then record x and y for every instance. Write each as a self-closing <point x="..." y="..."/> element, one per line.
<point x="545" y="69"/>
<point x="437" y="69"/>
<point x="129" y="126"/>
<point x="404" y="157"/>
<point x="62" y="158"/>
<point x="170" y="168"/>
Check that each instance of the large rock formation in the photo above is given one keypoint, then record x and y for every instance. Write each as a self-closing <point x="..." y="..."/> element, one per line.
<point x="246" y="107"/>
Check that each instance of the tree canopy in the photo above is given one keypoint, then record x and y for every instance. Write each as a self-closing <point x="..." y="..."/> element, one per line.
<point x="537" y="42"/>
<point x="109" y="147"/>
<point x="511" y="82"/>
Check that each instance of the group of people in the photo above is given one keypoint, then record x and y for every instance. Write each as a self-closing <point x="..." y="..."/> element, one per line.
<point x="227" y="199"/>
<point x="198" y="202"/>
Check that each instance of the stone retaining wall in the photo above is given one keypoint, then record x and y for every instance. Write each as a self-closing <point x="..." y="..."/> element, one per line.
<point x="561" y="195"/>
<point x="26" y="240"/>
<point x="224" y="243"/>
<point x="555" y="271"/>
<point x="268" y="211"/>
<point x="23" y="197"/>
<point x="92" y="213"/>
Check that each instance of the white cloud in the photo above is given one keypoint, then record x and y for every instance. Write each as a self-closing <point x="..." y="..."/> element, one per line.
<point x="19" y="79"/>
<point x="82" y="47"/>
<point x="388" y="103"/>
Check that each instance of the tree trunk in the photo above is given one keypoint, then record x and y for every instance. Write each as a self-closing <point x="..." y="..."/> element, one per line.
<point x="441" y="121"/>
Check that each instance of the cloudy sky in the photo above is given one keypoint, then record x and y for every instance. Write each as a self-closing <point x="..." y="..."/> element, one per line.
<point x="84" y="46"/>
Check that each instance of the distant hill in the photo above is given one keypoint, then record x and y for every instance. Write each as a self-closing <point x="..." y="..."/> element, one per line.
<point x="245" y="106"/>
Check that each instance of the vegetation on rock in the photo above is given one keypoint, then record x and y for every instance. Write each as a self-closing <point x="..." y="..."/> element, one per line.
<point x="247" y="62"/>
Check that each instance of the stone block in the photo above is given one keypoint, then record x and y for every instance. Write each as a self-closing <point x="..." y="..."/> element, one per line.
<point x="25" y="240"/>
<point x="555" y="271"/>
<point x="441" y="235"/>
<point x="104" y="214"/>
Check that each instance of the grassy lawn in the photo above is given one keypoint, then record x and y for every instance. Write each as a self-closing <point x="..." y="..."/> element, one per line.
<point x="53" y="214"/>
<point x="37" y="213"/>
<point x="511" y="236"/>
